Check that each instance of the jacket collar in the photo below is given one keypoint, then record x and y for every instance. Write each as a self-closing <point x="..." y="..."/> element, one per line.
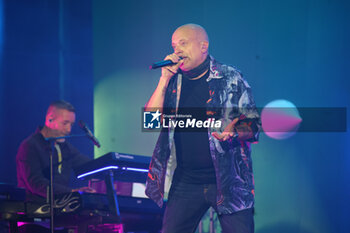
<point x="214" y="70"/>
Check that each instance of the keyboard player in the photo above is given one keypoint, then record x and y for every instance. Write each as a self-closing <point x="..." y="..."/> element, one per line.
<point x="33" y="155"/>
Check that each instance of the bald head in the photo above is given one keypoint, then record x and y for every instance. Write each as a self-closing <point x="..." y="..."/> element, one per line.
<point x="190" y="41"/>
<point x="196" y="30"/>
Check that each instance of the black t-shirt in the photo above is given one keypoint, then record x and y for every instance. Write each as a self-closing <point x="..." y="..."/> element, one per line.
<point x="194" y="163"/>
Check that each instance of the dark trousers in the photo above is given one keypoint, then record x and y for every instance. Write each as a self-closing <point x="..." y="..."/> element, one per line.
<point x="187" y="203"/>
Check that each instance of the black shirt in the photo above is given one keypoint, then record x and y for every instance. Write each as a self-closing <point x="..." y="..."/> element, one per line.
<point x="194" y="163"/>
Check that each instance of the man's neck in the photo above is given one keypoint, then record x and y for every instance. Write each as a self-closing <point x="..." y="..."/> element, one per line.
<point x="201" y="75"/>
<point x="199" y="71"/>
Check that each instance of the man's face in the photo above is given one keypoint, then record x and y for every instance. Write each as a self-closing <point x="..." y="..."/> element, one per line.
<point x="61" y="122"/>
<point x="186" y="45"/>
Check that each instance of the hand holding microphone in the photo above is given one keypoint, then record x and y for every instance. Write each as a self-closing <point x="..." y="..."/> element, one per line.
<point x="168" y="71"/>
<point x="165" y="62"/>
<point x="169" y="65"/>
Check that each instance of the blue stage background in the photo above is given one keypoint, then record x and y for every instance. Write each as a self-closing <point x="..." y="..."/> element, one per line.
<point x="96" y="54"/>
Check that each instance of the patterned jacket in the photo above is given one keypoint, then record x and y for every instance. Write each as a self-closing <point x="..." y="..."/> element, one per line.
<point x="230" y="97"/>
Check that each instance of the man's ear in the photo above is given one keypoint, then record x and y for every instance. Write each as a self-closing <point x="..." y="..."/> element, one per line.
<point x="49" y="118"/>
<point x="204" y="46"/>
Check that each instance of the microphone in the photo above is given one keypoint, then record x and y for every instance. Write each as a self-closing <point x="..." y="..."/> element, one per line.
<point x="89" y="134"/>
<point x="163" y="63"/>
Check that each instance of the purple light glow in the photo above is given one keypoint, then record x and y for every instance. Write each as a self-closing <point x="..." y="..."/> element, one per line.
<point x="280" y="119"/>
<point x="112" y="168"/>
<point x="136" y="169"/>
<point x="98" y="170"/>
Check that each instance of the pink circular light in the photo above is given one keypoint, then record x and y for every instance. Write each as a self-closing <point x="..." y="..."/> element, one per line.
<point x="280" y="119"/>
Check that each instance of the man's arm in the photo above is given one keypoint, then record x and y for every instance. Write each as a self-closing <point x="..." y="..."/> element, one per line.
<point x="78" y="159"/>
<point x="157" y="98"/>
<point x="246" y="127"/>
<point x="243" y="132"/>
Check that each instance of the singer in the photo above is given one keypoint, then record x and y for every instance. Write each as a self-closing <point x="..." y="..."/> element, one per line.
<point x="33" y="155"/>
<point x="214" y="167"/>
